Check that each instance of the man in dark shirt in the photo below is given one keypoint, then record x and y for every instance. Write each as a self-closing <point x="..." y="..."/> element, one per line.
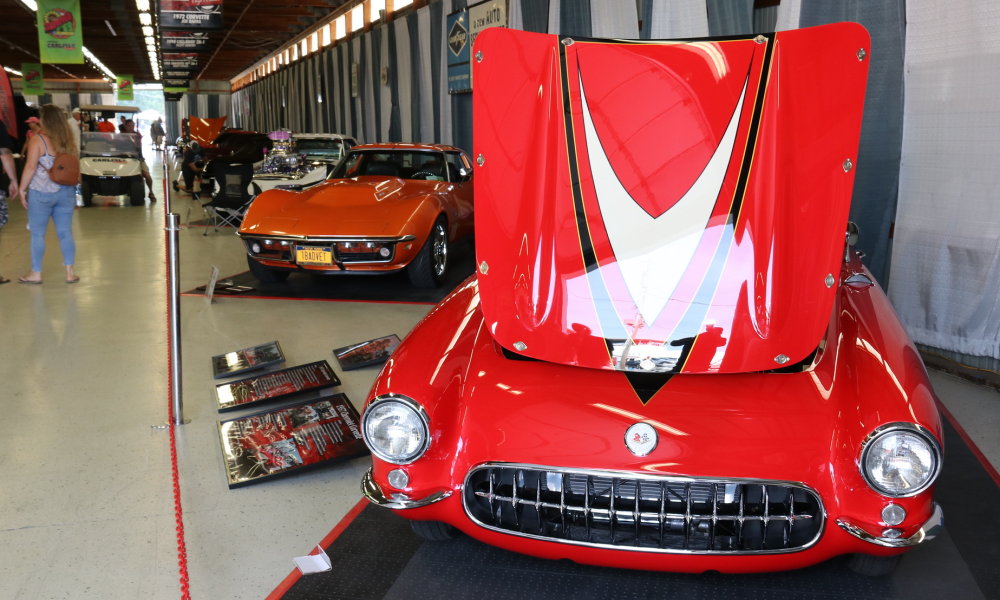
<point x="191" y="165"/>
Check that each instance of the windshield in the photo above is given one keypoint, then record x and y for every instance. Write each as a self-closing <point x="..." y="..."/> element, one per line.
<point x="110" y="144"/>
<point x="424" y="165"/>
<point x="328" y="150"/>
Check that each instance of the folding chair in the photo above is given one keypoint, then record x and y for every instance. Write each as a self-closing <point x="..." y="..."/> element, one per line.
<point x="233" y="198"/>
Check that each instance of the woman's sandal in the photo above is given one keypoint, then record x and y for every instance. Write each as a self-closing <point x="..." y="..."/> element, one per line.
<point x="3" y="280"/>
<point x="31" y="281"/>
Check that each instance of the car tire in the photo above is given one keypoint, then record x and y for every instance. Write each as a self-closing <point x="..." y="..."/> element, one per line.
<point x="434" y="531"/>
<point x="85" y="194"/>
<point x="873" y="566"/>
<point x="137" y="192"/>
<point x="265" y="274"/>
<point x="428" y="269"/>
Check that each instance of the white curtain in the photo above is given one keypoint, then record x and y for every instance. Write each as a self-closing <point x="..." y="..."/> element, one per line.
<point x="614" y="19"/>
<point x="788" y="15"/>
<point x="945" y="277"/>
<point x="671" y="19"/>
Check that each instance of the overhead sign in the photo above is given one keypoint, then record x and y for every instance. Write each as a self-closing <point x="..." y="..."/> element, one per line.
<point x="189" y="41"/>
<point x="177" y="73"/>
<point x="177" y="83"/>
<point x="178" y="61"/>
<point x="190" y="14"/>
<point x="33" y="83"/>
<point x="459" y="68"/>
<point x="60" y="39"/>
<point x="124" y="87"/>
<point x="172" y="96"/>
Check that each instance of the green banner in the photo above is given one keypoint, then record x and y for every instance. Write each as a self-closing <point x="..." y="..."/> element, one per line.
<point x="124" y="88"/>
<point x="33" y="83"/>
<point x="174" y="90"/>
<point x="60" y="38"/>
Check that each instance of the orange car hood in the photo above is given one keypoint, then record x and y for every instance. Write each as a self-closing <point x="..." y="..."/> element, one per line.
<point x="362" y="206"/>
<point x="204" y="131"/>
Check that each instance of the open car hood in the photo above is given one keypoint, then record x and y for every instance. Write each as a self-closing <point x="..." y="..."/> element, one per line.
<point x="204" y="131"/>
<point x="665" y="206"/>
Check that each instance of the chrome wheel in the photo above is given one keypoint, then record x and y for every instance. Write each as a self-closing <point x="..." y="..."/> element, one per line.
<point x="439" y="250"/>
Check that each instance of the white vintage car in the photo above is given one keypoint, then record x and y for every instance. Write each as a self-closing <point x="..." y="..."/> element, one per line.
<point x="300" y="159"/>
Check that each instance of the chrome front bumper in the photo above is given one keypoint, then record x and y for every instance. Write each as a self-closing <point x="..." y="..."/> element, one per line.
<point x="928" y="531"/>
<point x="397" y="501"/>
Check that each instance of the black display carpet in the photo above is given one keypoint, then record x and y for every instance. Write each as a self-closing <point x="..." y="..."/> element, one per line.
<point x="376" y="556"/>
<point x="395" y="287"/>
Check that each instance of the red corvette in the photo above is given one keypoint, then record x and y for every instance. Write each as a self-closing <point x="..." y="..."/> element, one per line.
<point x="668" y="358"/>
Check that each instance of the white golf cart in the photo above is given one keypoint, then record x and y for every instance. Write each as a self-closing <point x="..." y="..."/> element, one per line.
<point x="111" y="164"/>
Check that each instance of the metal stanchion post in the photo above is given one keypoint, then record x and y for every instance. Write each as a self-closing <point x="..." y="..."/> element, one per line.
<point x="174" y="318"/>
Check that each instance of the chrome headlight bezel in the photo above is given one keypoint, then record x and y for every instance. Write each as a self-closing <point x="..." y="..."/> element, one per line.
<point x="406" y="403"/>
<point x="914" y="430"/>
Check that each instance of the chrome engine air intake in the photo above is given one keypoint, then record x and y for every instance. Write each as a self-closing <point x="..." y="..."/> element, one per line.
<point x="650" y="513"/>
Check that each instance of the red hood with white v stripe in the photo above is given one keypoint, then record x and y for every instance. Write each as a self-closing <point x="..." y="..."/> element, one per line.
<point x="665" y="206"/>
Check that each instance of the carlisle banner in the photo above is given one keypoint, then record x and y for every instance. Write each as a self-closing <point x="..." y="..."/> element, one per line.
<point x="33" y="83"/>
<point x="60" y="39"/>
<point x="124" y="88"/>
<point x="188" y="15"/>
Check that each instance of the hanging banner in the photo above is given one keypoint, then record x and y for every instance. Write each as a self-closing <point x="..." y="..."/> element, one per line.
<point x="176" y="83"/>
<point x="7" y="113"/>
<point x="33" y="83"/>
<point x="172" y="96"/>
<point x="177" y="61"/>
<point x="124" y="88"/>
<point x="174" y="90"/>
<point x="60" y="39"/>
<point x="190" y="14"/>
<point x="459" y="68"/>
<point x="177" y="73"/>
<point x="188" y="41"/>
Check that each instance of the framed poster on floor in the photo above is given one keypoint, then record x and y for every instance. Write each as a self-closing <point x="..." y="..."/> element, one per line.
<point x="275" y="385"/>
<point x="363" y="354"/>
<point x="290" y="439"/>
<point x="248" y="359"/>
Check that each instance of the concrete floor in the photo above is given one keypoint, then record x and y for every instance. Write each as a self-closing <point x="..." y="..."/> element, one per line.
<point x="86" y="494"/>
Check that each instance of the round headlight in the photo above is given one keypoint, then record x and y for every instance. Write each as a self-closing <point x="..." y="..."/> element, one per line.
<point x="396" y="429"/>
<point x="900" y="459"/>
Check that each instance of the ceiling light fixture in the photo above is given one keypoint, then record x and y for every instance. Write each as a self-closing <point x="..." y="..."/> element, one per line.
<point x="142" y="4"/>
<point x="145" y="18"/>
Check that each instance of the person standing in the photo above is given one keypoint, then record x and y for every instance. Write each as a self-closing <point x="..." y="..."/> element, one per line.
<point x="8" y="177"/>
<point x="44" y="198"/>
<point x="156" y="130"/>
<point x="74" y="126"/>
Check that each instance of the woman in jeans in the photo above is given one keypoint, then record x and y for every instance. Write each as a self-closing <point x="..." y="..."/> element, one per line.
<point x="45" y="198"/>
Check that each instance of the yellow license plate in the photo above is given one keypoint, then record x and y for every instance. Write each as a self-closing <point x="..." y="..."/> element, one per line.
<point x="312" y="255"/>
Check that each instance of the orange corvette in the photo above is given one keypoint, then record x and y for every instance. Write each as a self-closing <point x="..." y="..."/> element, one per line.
<point x="384" y="208"/>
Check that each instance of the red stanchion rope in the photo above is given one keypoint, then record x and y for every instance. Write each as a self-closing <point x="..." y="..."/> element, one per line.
<point x="182" y="567"/>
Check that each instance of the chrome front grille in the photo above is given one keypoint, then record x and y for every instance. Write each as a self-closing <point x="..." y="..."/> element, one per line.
<point x="647" y="513"/>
